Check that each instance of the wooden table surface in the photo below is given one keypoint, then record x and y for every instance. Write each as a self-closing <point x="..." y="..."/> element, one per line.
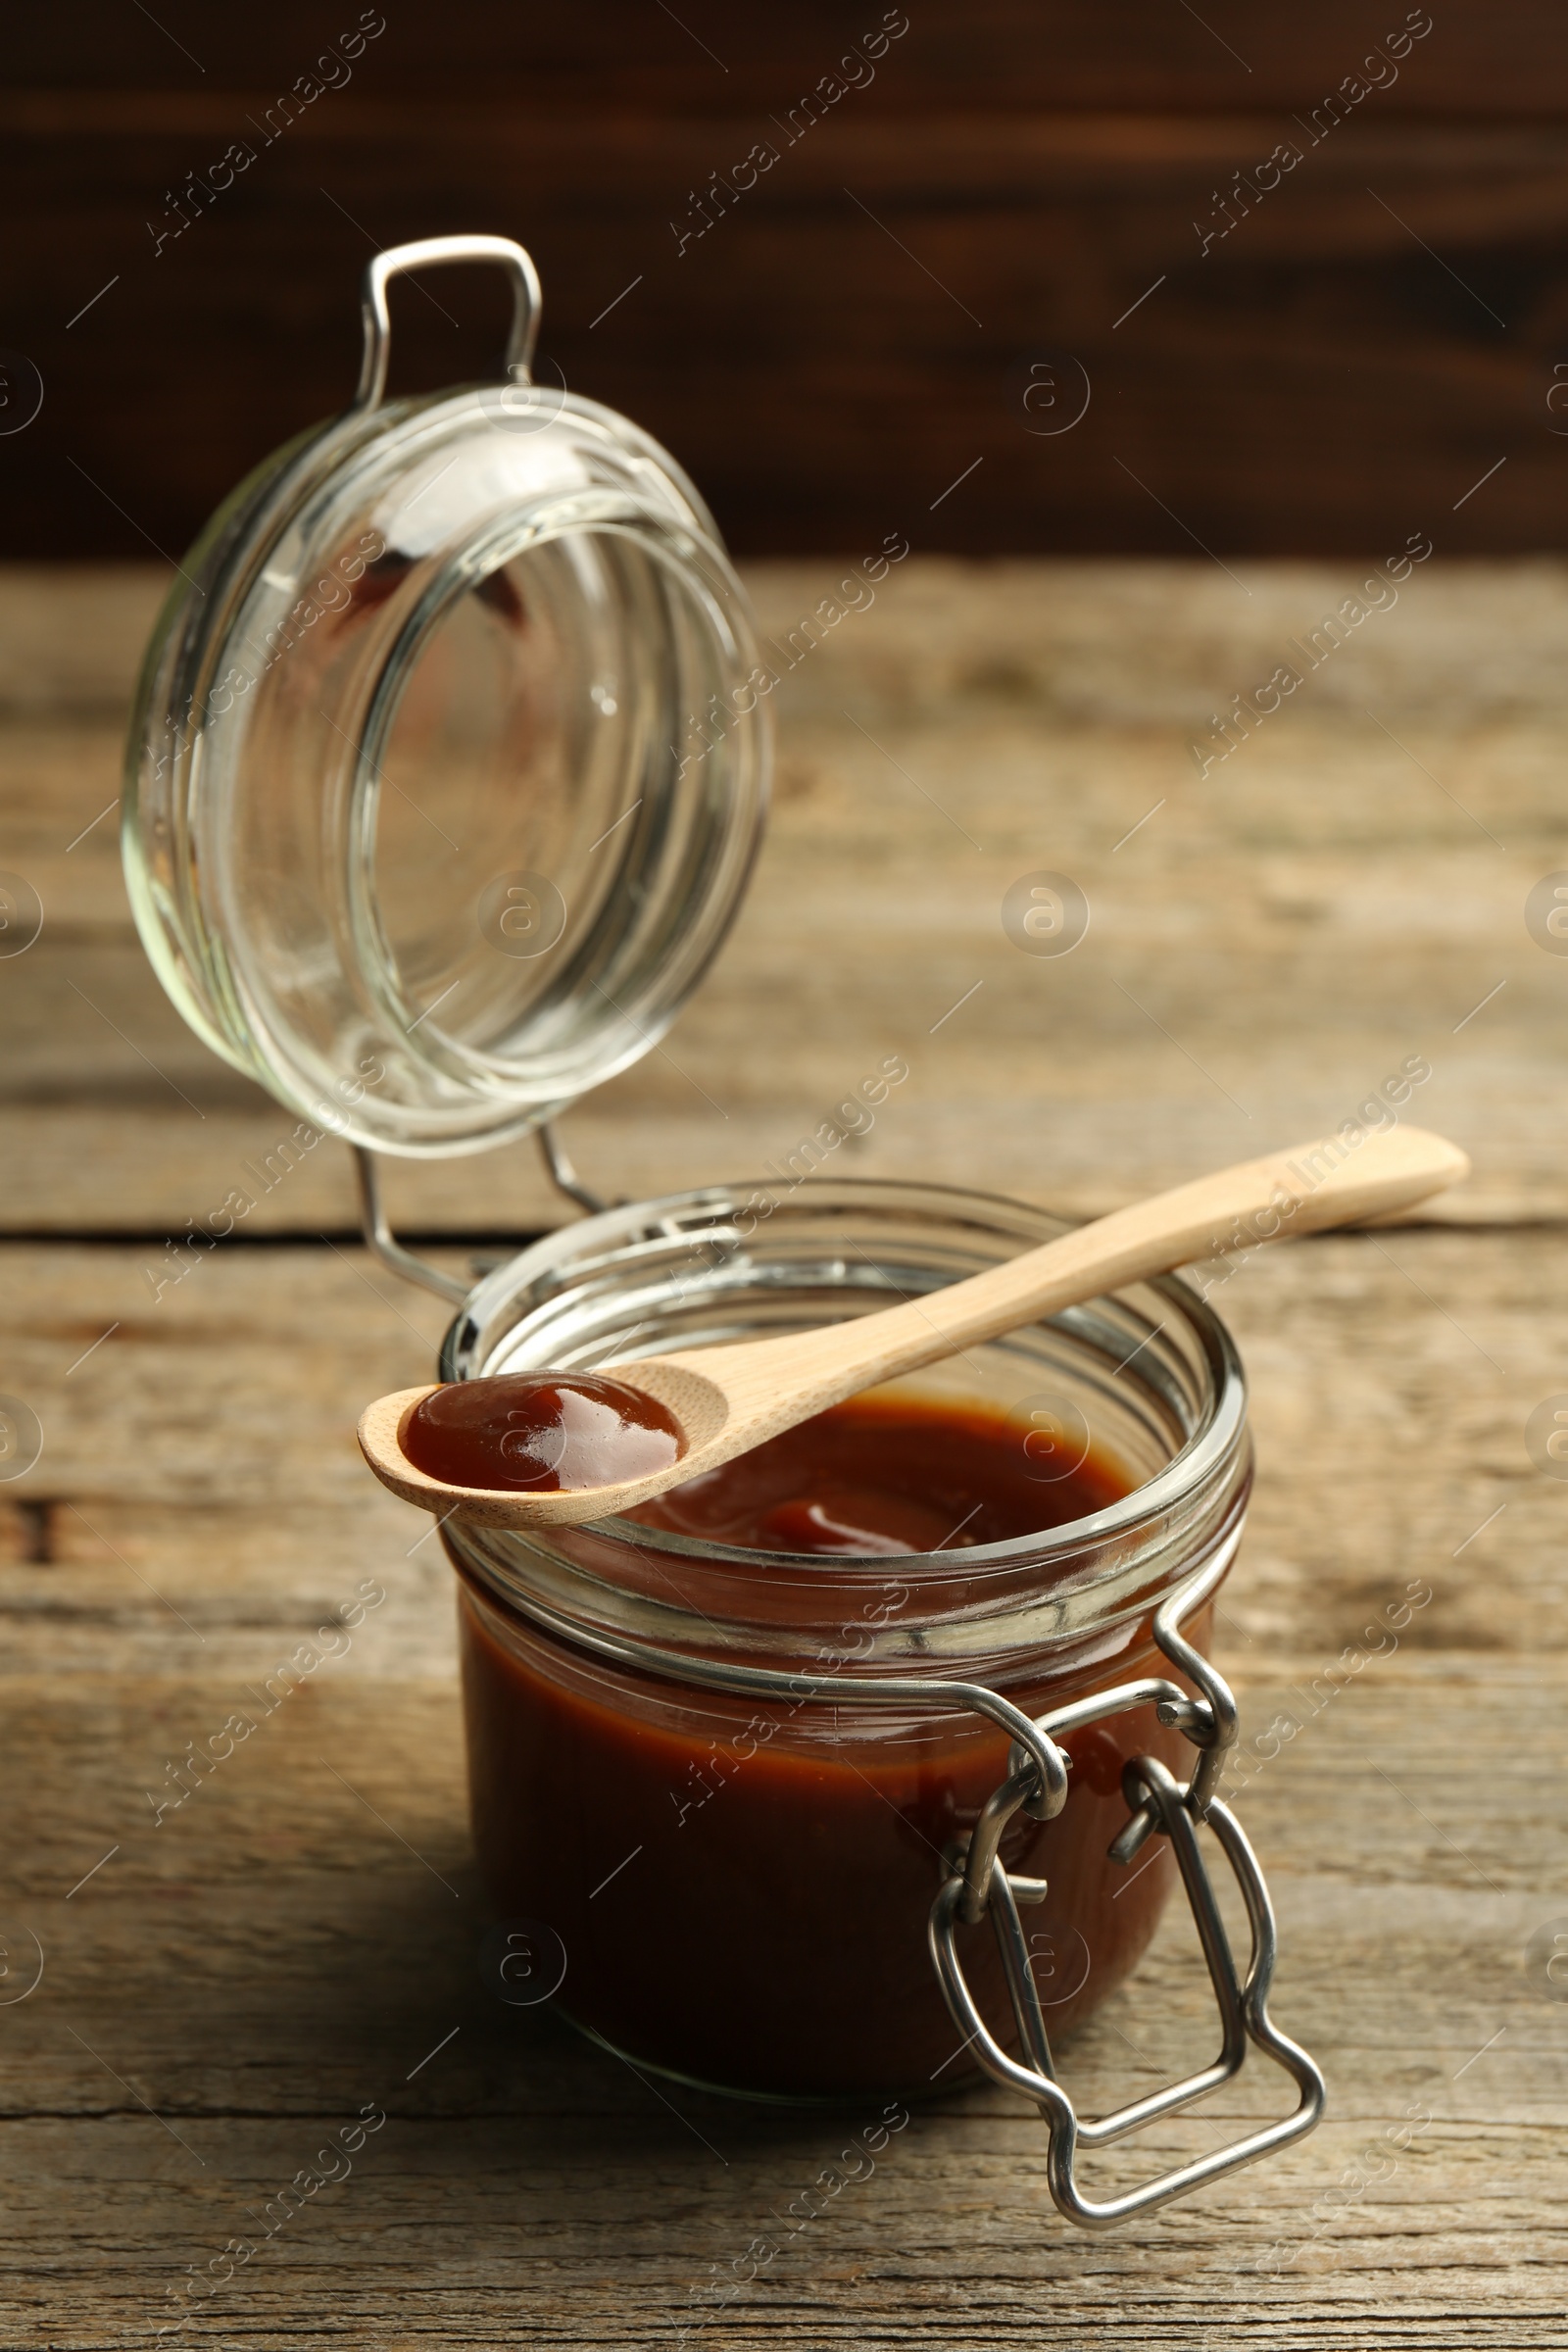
<point x="1268" y="942"/>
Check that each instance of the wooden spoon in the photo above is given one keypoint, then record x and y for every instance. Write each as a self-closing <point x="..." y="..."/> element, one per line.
<point x="729" y="1398"/>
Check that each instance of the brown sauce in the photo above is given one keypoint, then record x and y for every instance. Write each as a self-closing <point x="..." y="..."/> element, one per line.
<point x="870" y="1479"/>
<point x="742" y="1887"/>
<point x="542" y="1432"/>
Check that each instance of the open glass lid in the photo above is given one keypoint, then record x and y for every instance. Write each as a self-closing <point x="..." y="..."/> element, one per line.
<point x="449" y="759"/>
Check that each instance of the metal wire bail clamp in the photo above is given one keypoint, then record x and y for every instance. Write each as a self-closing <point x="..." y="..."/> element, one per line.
<point x="1159" y="1805"/>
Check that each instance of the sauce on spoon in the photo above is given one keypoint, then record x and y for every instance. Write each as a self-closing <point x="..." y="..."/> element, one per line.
<point x="540" y="1433"/>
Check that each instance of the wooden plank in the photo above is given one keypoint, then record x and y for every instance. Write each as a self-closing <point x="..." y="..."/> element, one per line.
<point x="822" y="384"/>
<point x="1000" y="56"/>
<point x="1268" y="940"/>
<point x="300" y="1938"/>
<point x="273" y="1956"/>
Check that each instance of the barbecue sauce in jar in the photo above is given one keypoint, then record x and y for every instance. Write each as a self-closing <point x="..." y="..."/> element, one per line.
<point x="742" y="1889"/>
<point x="864" y="1481"/>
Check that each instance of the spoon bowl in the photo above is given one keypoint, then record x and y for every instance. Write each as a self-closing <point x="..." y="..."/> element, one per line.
<point x="728" y="1399"/>
<point x="698" y="1404"/>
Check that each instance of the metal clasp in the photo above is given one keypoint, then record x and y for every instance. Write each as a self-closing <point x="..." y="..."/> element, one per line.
<point x="1159" y="1805"/>
<point x="428" y="254"/>
<point x="385" y="1244"/>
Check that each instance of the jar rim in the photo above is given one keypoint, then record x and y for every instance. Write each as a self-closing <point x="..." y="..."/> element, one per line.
<point x="252" y="674"/>
<point x="482" y="1324"/>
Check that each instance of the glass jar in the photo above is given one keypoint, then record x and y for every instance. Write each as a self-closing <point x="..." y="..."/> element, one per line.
<point x="742" y="1884"/>
<point x="444" y="783"/>
<point x="449" y="755"/>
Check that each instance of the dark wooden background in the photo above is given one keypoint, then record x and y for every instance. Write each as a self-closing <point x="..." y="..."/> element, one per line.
<point x="1375" y="335"/>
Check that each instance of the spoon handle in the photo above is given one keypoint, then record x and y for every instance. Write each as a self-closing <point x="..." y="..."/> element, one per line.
<point x="1319" y="1185"/>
